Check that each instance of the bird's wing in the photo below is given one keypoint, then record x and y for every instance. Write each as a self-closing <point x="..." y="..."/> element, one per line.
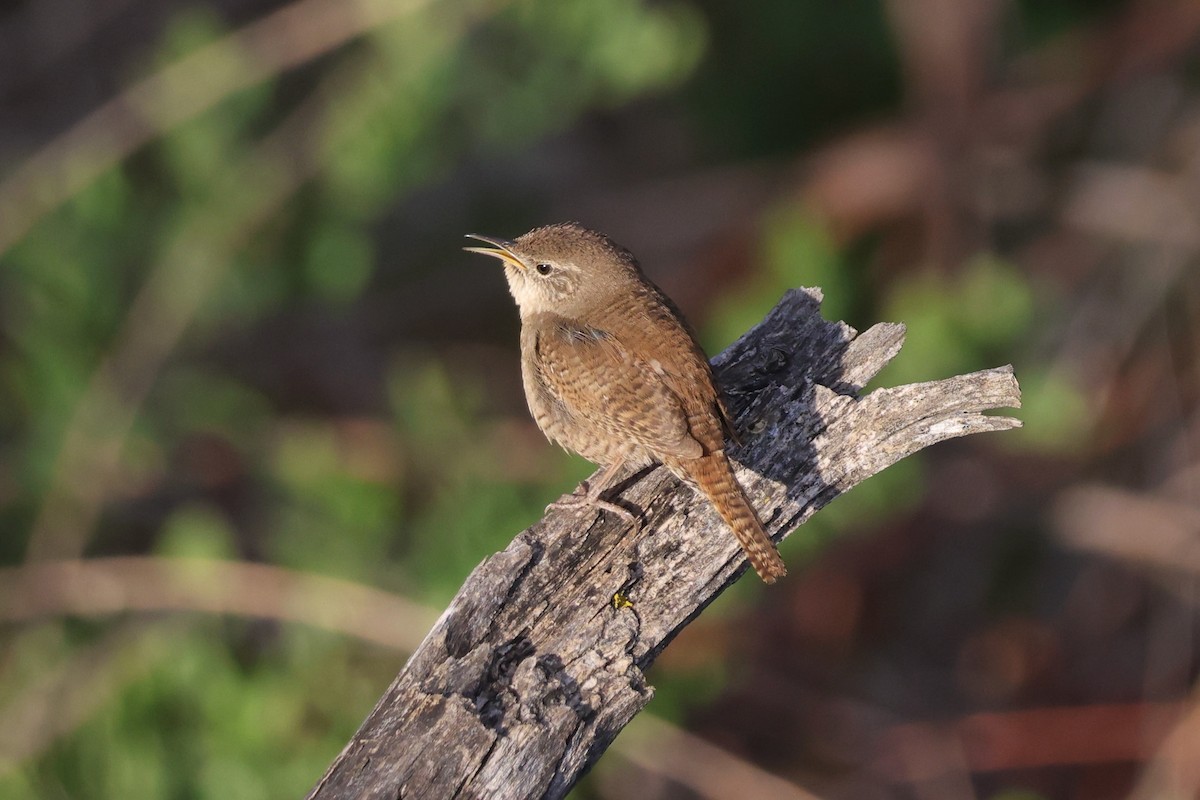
<point x="603" y="382"/>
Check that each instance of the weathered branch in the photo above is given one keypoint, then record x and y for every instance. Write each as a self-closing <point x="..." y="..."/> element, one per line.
<point x="534" y="669"/>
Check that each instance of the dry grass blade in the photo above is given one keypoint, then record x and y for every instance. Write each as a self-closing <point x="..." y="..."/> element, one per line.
<point x="147" y="583"/>
<point x="245" y="194"/>
<point x="708" y="771"/>
<point x="65" y="697"/>
<point x="283" y="39"/>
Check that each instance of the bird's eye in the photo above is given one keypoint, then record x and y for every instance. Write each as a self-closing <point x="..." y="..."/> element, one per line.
<point x="543" y="268"/>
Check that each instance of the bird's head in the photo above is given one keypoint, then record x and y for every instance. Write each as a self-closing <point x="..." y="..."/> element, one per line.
<point x="564" y="269"/>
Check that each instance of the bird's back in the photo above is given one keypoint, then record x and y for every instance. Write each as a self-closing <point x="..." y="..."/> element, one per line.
<point x="654" y="331"/>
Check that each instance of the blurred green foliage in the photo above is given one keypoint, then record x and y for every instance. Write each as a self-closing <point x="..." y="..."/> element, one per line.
<point x="789" y="73"/>
<point x="214" y="708"/>
<point x="796" y="251"/>
<point x="204" y="717"/>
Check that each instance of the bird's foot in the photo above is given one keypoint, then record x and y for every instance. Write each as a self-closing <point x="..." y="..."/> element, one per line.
<point x="585" y="497"/>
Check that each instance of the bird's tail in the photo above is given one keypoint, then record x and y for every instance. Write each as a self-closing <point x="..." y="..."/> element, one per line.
<point x="714" y="476"/>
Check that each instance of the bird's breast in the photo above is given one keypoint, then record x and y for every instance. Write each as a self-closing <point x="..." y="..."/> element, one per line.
<point x="584" y="434"/>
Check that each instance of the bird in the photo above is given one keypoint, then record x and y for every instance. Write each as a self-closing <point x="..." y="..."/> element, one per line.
<point x="613" y="372"/>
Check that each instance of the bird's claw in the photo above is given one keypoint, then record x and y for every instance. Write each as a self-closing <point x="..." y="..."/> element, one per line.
<point x="583" y="498"/>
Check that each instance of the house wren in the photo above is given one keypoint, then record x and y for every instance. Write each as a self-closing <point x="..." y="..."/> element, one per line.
<point x="613" y="373"/>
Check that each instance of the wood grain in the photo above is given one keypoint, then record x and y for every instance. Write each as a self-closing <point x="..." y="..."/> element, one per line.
<point x="533" y="669"/>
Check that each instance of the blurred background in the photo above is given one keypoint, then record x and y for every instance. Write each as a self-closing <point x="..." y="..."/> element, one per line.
<point x="260" y="416"/>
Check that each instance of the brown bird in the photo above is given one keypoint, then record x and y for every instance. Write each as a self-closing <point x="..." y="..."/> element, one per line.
<point x="613" y="373"/>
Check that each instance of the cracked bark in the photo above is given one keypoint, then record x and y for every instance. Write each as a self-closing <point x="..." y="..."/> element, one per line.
<point x="533" y="669"/>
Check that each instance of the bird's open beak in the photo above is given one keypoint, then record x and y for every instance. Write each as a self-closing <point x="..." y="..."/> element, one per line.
<point x="501" y="249"/>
